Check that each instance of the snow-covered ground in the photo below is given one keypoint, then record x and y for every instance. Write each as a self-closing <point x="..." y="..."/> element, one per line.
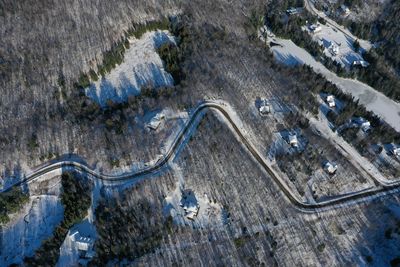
<point x="23" y="235"/>
<point x="69" y="253"/>
<point x="142" y="66"/>
<point x="389" y="110"/>
<point x="308" y="4"/>
<point x="209" y="214"/>
<point x="329" y="37"/>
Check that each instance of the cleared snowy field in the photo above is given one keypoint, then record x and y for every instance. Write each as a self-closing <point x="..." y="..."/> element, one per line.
<point x="330" y="38"/>
<point x="142" y="66"/>
<point x="389" y="110"/>
<point x="35" y="224"/>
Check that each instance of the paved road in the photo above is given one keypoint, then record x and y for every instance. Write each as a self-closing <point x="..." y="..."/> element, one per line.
<point x="382" y="189"/>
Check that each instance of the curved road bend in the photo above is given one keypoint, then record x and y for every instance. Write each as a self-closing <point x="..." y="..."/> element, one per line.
<point x="381" y="190"/>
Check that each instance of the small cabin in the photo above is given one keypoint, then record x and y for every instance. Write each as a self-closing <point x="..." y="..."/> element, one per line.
<point x="330" y="167"/>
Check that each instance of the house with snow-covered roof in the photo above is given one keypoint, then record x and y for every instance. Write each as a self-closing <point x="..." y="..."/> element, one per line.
<point x="330" y="167"/>
<point x="292" y="140"/>
<point x="315" y="28"/>
<point x="265" y="107"/>
<point x="330" y="99"/>
<point x="84" y="244"/>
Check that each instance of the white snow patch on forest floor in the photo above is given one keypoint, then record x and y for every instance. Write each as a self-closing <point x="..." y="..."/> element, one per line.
<point x="22" y="236"/>
<point x="389" y="110"/>
<point x="142" y="67"/>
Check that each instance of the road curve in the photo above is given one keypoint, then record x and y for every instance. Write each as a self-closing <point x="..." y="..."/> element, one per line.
<point x="381" y="190"/>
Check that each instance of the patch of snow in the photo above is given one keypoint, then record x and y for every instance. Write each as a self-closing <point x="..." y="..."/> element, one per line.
<point x="24" y="235"/>
<point x="142" y="66"/>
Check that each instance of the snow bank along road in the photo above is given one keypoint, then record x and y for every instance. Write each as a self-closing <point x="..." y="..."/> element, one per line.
<point x="382" y="189"/>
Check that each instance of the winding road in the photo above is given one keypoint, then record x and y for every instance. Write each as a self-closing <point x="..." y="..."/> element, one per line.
<point x="384" y="188"/>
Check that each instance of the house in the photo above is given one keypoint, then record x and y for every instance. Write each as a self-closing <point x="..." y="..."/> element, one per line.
<point x="396" y="151"/>
<point x="293" y="140"/>
<point x="189" y="204"/>
<point x="334" y="49"/>
<point x="315" y="28"/>
<point x="293" y="11"/>
<point x="264" y="108"/>
<point x="191" y="210"/>
<point x="84" y="244"/>
<point x="364" y="124"/>
<point x="330" y="99"/>
<point x="330" y="167"/>
<point x="156" y="121"/>
<point x="361" y="63"/>
<point x="345" y="10"/>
